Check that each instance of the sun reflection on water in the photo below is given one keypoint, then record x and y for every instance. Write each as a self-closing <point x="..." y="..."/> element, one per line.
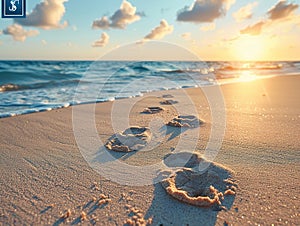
<point x="247" y="75"/>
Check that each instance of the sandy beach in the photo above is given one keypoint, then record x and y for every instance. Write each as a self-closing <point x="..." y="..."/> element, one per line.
<point x="44" y="175"/>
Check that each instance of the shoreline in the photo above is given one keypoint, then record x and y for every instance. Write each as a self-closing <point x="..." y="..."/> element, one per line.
<point x="220" y="82"/>
<point x="44" y="173"/>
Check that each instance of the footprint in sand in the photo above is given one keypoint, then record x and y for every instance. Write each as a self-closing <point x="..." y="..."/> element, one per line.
<point x="202" y="189"/>
<point x="168" y="102"/>
<point x="167" y="96"/>
<point x="152" y="110"/>
<point x="132" y="139"/>
<point x="189" y="121"/>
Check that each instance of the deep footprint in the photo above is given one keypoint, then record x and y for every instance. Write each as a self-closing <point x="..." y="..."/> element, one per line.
<point x="169" y="102"/>
<point x="152" y="110"/>
<point x="202" y="189"/>
<point x="189" y="121"/>
<point x="132" y="139"/>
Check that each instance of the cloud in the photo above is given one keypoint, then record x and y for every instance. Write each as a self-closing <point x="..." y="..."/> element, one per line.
<point x="282" y="10"/>
<point x="120" y="19"/>
<point x="186" y="36"/>
<point x="279" y="15"/>
<point x="204" y="11"/>
<point x="47" y="15"/>
<point x="160" y="31"/>
<point x="102" y="23"/>
<point x="103" y="41"/>
<point x="18" y="33"/>
<point x="253" y="29"/>
<point x="209" y="27"/>
<point x="228" y="3"/>
<point x="245" y="12"/>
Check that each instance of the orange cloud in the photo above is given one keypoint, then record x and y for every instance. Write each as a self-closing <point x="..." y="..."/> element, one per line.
<point x="282" y="12"/>
<point x="160" y="31"/>
<point x="245" y="12"/>
<point x="103" y="41"/>
<point x="253" y="29"/>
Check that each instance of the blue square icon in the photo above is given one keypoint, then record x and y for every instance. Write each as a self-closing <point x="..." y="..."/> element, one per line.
<point x="13" y="8"/>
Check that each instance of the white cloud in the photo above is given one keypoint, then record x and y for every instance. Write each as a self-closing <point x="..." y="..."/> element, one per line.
<point x="127" y="14"/>
<point x="208" y="27"/>
<point x="160" y="31"/>
<point x="204" y="11"/>
<point x="18" y="33"/>
<point x="47" y="15"/>
<point x="103" y="41"/>
<point x="245" y="12"/>
<point x="44" y="42"/>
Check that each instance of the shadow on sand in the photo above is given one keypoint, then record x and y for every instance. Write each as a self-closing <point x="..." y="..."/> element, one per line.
<point x="173" y="131"/>
<point x="166" y="210"/>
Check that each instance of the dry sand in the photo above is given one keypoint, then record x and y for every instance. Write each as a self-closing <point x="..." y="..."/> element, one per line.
<point x="44" y="176"/>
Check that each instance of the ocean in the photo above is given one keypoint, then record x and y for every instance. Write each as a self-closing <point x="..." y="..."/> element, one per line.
<point x="34" y="86"/>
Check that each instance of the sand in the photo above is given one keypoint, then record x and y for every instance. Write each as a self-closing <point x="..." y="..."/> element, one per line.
<point x="207" y="189"/>
<point x="45" y="179"/>
<point x="168" y="102"/>
<point x="132" y="139"/>
<point x="189" y="121"/>
<point x="152" y="110"/>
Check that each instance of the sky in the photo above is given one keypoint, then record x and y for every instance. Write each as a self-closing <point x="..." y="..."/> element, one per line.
<point x="210" y="29"/>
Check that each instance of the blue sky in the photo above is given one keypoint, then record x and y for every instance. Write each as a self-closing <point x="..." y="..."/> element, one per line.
<point x="206" y="33"/>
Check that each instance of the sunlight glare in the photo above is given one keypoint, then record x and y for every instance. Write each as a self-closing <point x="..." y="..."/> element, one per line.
<point x="247" y="76"/>
<point x="249" y="49"/>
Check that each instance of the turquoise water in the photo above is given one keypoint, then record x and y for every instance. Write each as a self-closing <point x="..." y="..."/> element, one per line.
<point x="32" y="86"/>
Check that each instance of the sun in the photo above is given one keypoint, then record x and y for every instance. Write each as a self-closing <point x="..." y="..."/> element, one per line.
<point x="249" y="48"/>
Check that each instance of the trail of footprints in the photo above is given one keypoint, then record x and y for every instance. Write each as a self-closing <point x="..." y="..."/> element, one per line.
<point x="135" y="138"/>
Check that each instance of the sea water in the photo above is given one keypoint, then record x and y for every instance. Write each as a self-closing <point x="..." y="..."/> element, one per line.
<point x="33" y="86"/>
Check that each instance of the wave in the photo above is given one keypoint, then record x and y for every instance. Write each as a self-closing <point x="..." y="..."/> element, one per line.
<point x="256" y="66"/>
<point x="33" y="86"/>
<point x="179" y="71"/>
<point x="140" y="68"/>
<point x="44" y="85"/>
<point x="29" y="77"/>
